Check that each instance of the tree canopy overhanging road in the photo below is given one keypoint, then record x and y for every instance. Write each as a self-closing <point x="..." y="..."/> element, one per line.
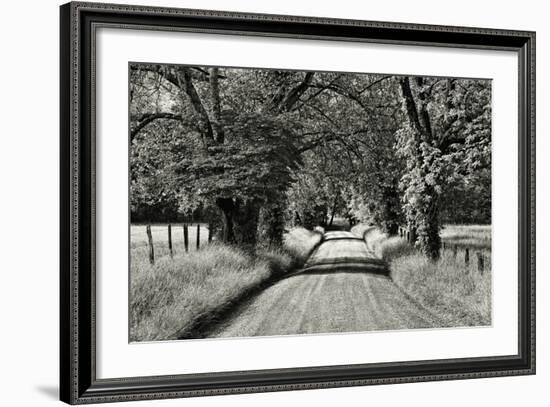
<point x="254" y="150"/>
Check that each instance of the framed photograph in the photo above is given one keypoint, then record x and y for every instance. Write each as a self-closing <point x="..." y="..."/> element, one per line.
<point x="255" y="203"/>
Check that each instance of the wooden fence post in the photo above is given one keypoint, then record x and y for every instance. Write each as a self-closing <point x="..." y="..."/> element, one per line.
<point x="151" y="247"/>
<point x="170" y="240"/>
<point x="186" y="237"/>
<point x="467" y="256"/>
<point x="198" y="235"/>
<point x="480" y="265"/>
<point x="209" y="233"/>
<point x="454" y="251"/>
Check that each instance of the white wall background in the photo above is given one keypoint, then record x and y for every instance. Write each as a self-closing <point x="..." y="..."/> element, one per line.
<point x="29" y="163"/>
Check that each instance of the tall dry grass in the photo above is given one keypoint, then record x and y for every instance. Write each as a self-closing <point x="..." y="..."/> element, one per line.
<point x="299" y="242"/>
<point x="458" y="293"/>
<point x="167" y="298"/>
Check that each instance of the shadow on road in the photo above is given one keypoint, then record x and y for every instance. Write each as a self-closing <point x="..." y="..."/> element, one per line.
<point x="342" y="251"/>
<point x="370" y="266"/>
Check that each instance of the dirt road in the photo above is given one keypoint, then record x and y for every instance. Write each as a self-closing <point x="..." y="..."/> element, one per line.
<point x="342" y="288"/>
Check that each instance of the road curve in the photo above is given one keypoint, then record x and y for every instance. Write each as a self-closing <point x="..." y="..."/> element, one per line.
<point x="341" y="288"/>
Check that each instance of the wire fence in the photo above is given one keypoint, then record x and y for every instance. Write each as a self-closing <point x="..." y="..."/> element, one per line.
<point x="175" y="237"/>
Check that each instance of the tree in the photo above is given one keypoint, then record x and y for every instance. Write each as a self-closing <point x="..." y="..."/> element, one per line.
<point x="447" y="135"/>
<point x="153" y="192"/>
<point x="253" y="146"/>
<point x="319" y="190"/>
<point x="243" y="153"/>
<point x="372" y="114"/>
<point x="250" y="169"/>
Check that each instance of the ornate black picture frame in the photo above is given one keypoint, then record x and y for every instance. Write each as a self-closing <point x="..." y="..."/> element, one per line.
<point x="77" y="245"/>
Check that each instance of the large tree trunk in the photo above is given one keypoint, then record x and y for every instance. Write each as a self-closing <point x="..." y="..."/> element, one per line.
<point x="226" y="207"/>
<point x="322" y="215"/>
<point x="428" y="231"/>
<point x="391" y="211"/>
<point x="217" y="127"/>
<point x="412" y="232"/>
<point x="272" y="223"/>
<point x="240" y="221"/>
<point x="426" y="213"/>
<point x="333" y="211"/>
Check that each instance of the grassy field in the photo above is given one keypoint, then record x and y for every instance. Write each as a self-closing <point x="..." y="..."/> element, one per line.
<point x="474" y="236"/>
<point x="168" y="298"/>
<point x="456" y="292"/>
<point x="138" y="237"/>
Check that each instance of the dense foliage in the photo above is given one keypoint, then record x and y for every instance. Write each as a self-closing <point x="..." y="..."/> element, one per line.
<point x="258" y="150"/>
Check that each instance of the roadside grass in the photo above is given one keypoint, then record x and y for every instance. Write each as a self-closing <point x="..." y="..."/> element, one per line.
<point x="455" y="292"/>
<point x="299" y="242"/>
<point x="168" y="298"/>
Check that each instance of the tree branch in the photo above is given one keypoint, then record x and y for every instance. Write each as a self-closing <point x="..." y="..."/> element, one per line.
<point x="320" y="89"/>
<point x="423" y="111"/>
<point x="294" y="94"/>
<point x="147" y="118"/>
<point x="370" y="85"/>
<point x="189" y="88"/>
<point x="174" y="76"/>
<point x="328" y="136"/>
<point x="216" y="109"/>
<point x="410" y="105"/>
<point x="445" y="144"/>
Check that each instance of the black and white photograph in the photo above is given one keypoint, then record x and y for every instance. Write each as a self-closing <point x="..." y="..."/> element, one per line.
<point x="267" y="202"/>
<point x="239" y="203"/>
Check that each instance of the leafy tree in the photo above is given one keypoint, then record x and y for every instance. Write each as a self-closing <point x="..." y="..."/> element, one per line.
<point x="244" y="148"/>
<point x="249" y="170"/>
<point x="153" y="192"/>
<point x="250" y="147"/>
<point x="319" y="191"/>
<point x="447" y="135"/>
